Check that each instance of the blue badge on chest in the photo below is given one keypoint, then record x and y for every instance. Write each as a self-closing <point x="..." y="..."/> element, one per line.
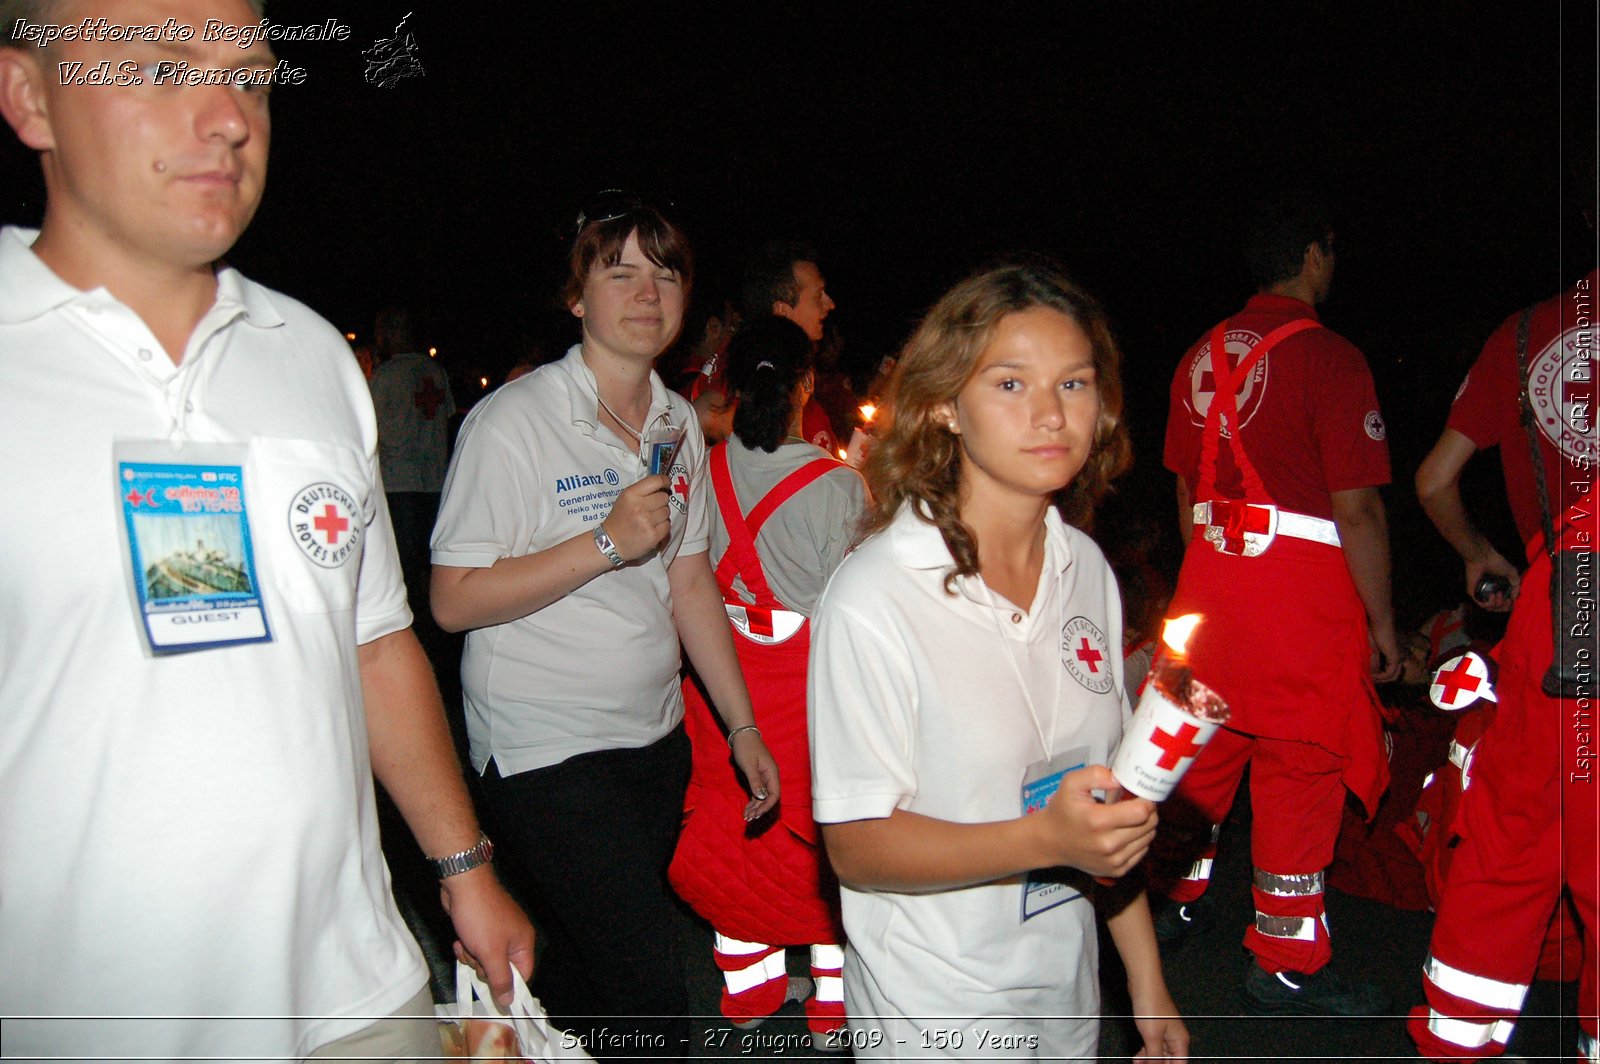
<point x="192" y="568"/>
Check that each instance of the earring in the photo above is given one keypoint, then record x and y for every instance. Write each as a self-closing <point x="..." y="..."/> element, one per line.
<point x="951" y="425"/>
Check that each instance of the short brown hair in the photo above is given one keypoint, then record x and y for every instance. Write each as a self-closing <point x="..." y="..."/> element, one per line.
<point x="599" y="244"/>
<point x="918" y="460"/>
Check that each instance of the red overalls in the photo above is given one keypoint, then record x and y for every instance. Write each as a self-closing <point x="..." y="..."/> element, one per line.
<point x="1529" y="823"/>
<point x="765" y="885"/>
<point x="1284" y="641"/>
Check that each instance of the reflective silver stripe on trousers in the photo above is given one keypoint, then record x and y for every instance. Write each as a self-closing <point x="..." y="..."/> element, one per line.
<point x="1490" y="993"/>
<point x="1299" y="928"/>
<point x="1289" y="886"/>
<point x="1469" y="1034"/>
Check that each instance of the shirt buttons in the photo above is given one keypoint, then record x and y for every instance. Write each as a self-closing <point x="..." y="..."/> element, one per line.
<point x="188" y="406"/>
<point x="145" y="354"/>
<point x="1016" y="618"/>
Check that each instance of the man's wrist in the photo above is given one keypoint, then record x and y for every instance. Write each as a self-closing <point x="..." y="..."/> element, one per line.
<point x="479" y="853"/>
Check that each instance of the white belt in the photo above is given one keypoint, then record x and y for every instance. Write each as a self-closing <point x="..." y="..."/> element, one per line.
<point x="1281" y="522"/>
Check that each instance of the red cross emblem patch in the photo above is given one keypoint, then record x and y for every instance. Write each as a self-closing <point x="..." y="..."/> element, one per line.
<point x="1561" y="390"/>
<point x="1202" y="381"/>
<point x="1462" y="682"/>
<point x="1085" y="654"/>
<point x="678" y="487"/>
<point x="326" y="524"/>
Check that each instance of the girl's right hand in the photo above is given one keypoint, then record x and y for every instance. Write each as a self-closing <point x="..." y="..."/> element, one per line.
<point x="1102" y="839"/>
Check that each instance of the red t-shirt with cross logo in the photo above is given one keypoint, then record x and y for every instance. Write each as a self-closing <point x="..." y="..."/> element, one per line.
<point x="1308" y="412"/>
<point x="1561" y="363"/>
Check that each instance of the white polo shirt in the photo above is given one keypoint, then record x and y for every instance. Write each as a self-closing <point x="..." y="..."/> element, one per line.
<point x="191" y="835"/>
<point x="597" y="669"/>
<point x="411" y="397"/>
<point x="917" y="703"/>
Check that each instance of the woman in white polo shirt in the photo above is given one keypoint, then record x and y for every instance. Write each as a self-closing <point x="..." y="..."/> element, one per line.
<point x="576" y="573"/>
<point x="965" y="695"/>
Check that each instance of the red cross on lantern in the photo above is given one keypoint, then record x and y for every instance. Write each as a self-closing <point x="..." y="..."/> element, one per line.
<point x="1176" y="747"/>
<point x="1089" y="655"/>
<point x="428" y="397"/>
<point x="1459" y="678"/>
<point x="331" y="524"/>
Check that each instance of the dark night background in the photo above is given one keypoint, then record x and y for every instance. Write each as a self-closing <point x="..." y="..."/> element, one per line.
<point x="911" y="142"/>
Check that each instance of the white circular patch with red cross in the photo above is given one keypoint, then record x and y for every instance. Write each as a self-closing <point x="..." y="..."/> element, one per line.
<point x="1085" y="654"/>
<point x="1373" y="424"/>
<point x="1461" y="683"/>
<point x="678" y="487"/>
<point x="1562" y="394"/>
<point x="325" y="523"/>
<point x="1202" y="381"/>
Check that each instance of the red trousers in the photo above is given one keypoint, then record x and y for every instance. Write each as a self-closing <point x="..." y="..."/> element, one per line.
<point x="1529" y="823"/>
<point x="1297" y="794"/>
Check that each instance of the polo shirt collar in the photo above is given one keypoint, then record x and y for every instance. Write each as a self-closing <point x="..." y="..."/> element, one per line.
<point x="584" y="396"/>
<point x="1272" y="303"/>
<point x="32" y="289"/>
<point x="919" y="545"/>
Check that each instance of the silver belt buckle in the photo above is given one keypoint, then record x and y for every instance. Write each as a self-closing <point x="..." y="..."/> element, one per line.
<point x="1248" y="542"/>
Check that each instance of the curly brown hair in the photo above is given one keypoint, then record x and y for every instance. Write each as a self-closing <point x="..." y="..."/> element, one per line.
<point x="916" y="459"/>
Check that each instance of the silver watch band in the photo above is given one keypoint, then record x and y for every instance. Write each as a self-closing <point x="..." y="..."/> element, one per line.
<point x="608" y="548"/>
<point x="480" y="853"/>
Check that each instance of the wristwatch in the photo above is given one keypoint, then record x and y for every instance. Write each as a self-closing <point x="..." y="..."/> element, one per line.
<point x="465" y="861"/>
<point x="608" y="548"/>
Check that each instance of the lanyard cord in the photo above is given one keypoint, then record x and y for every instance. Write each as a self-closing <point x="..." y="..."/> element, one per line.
<point x="1027" y="697"/>
<point x="635" y="433"/>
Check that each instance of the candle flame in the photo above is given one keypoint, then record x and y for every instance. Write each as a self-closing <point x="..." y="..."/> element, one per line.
<point x="1176" y="632"/>
<point x="843" y="454"/>
<point x="868" y="412"/>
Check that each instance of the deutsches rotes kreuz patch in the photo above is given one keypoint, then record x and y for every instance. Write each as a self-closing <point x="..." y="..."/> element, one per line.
<point x="1084" y="652"/>
<point x="678" y="487"/>
<point x="326" y="524"/>
<point x="1373" y="423"/>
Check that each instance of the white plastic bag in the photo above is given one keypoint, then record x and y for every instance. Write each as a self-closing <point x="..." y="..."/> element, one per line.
<point x="474" y="1027"/>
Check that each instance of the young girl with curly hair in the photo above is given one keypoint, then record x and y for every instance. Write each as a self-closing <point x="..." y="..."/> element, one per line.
<point x="966" y="696"/>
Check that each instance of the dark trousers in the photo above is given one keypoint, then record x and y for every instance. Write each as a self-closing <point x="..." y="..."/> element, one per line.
<point x="586" y="844"/>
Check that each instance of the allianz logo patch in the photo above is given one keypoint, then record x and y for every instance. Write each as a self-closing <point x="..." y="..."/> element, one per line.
<point x="587" y="480"/>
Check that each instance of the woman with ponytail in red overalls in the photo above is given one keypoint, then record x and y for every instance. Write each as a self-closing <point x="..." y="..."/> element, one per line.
<point x="786" y="512"/>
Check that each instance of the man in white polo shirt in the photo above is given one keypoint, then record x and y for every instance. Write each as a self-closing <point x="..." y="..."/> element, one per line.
<point x="205" y="650"/>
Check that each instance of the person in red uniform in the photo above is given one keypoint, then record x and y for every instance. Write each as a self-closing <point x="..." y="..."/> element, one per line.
<point x="786" y="514"/>
<point x="783" y="280"/>
<point x="1529" y="821"/>
<point x="1279" y="451"/>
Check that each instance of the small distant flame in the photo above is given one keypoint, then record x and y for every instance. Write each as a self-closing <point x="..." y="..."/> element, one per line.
<point x="1177" y="631"/>
<point x="868" y="412"/>
<point x="484" y="381"/>
<point x="843" y="454"/>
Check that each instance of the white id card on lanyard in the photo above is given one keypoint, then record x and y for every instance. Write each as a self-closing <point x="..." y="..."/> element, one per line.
<point x="1044" y="888"/>
<point x="186" y="545"/>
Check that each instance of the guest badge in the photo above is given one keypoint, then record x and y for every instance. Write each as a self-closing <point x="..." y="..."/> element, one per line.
<point x="1046" y="888"/>
<point x="186" y="545"/>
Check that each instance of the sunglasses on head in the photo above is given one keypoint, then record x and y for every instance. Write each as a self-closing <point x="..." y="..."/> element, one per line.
<point x="610" y="204"/>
